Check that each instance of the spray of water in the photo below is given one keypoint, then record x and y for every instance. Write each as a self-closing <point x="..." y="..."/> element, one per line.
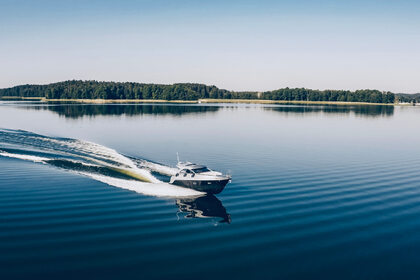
<point x="90" y="159"/>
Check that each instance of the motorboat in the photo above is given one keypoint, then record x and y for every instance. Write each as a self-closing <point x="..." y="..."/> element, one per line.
<point x="199" y="177"/>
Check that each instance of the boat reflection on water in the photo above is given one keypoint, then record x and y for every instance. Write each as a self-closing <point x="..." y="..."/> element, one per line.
<point x="207" y="206"/>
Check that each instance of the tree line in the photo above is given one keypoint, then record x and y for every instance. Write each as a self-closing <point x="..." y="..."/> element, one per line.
<point x="408" y="98"/>
<point x="185" y="91"/>
<point x="303" y="94"/>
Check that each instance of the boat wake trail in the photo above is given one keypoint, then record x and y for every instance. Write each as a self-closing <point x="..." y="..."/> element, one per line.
<point x="89" y="159"/>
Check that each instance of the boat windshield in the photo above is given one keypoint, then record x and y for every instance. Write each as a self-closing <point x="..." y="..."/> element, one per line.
<point x="201" y="170"/>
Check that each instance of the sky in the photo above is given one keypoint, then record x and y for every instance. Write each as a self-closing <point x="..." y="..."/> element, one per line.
<point x="236" y="45"/>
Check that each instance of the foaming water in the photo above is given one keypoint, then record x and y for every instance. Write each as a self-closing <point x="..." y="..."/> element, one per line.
<point x="24" y="157"/>
<point x="156" y="189"/>
<point x="89" y="159"/>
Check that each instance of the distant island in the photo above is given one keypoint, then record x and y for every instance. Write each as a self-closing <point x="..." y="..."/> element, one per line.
<point x="94" y="90"/>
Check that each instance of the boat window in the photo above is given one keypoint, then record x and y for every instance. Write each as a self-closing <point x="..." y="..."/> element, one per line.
<point x="184" y="172"/>
<point x="201" y="170"/>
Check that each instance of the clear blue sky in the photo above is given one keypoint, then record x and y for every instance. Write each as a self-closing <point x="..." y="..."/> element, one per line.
<point x="238" y="45"/>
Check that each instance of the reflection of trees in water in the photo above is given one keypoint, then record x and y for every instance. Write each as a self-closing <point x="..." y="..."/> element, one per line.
<point x="81" y="110"/>
<point x="207" y="206"/>
<point x="361" y="110"/>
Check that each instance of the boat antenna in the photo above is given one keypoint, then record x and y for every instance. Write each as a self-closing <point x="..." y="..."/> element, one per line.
<point x="177" y="156"/>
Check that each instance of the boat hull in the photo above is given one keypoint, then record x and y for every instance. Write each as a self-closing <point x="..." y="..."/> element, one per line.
<point x="208" y="186"/>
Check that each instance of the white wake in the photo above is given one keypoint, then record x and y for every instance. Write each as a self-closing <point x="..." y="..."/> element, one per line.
<point x="92" y="155"/>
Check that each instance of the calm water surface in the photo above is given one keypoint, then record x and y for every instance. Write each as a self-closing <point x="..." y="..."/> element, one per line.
<point x="318" y="192"/>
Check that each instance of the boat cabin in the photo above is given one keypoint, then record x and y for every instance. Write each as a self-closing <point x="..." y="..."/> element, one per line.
<point x="192" y="167"/>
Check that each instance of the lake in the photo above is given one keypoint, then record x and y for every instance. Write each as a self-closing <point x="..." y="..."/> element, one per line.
<point x="317" y="192"/>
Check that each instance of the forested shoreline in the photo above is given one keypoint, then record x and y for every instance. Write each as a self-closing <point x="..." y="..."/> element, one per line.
<point x="408" y="98"/>
<point x="186" y="91"/>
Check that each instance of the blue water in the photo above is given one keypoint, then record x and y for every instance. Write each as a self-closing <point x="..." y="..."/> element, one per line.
<point x="318" y="192"/>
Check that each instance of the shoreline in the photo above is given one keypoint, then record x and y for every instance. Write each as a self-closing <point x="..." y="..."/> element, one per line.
<point x="297" y="102"/>
<point x="199" y="101"/>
